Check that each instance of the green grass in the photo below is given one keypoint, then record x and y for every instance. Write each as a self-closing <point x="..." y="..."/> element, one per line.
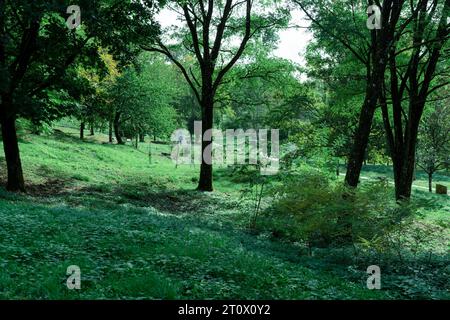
<point x="440" y="203"/>
<point x="421" y="182"/>
<point x="139" y="253"/>
<point x="138" y="230"/>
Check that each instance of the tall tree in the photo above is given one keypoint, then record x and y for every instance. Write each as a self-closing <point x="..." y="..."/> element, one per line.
<point x="341" y="23"/>
<point x="91" y="88"/>
<point x="417" y="68"/>
<point x="36" y="49"/>
<point x="213" y="28"/>
<point x="143" y="99"/>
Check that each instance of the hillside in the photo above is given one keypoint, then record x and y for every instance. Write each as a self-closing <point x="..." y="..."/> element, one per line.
<point x="138" y="230"/>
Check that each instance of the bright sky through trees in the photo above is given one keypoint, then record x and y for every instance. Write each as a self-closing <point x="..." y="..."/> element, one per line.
<point x="293" y="41"/>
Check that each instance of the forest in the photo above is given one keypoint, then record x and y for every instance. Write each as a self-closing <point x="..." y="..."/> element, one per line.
<point x="225" y="149"/>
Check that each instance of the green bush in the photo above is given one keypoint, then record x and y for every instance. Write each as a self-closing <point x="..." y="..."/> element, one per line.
<point x="313" y="209"/>
<point x="25" y="126"/>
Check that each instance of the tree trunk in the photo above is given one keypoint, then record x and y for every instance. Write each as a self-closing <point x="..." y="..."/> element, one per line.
<point x="82" y="127"/>
<point x="404" y="165"/>
<point x="117" y="128"/>
<point x="206" y="179"/>
<point x="375" y="68"/>
<point x="430" y="182"/>
<point x="141" y="137"/>
<point x="12" y="155"/>
<point x="404" y="186"/>
<point x="361" y="139"/>
<point x="92" y="129"/>
<point x="110" y="132"/>
<point x="356" y="158"/>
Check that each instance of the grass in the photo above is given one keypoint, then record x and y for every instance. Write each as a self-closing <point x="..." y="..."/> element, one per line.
<point x="421" y="182"/>
<point x="134" y="253"/>
<point x="138" y="230"/>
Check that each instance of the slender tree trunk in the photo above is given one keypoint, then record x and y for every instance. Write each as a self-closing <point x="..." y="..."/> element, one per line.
<point x="82" y="127"/>
<point x="12" y="155"/>
<point x="430" y="181"/>
<point x="117" y="128"/>
<point x="92" y="129"/>
<point x="141" y="137"/>
<point x="357" y="156"/>
<point x="206" y="170"/>
<point x="375" y="69"/>
<point x="361" y="140"/>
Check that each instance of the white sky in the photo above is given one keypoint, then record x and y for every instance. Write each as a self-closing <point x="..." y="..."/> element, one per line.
<point x="293" y="41"/>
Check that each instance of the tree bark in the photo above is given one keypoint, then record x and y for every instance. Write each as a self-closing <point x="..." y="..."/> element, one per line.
<point x="117" y="128"/>
<point x="12" y="155"/>
<point x="430" y="182"/>
<point x="92" y="133"/>
<point x="361" y="140"/>
<point x="205" y="182"/>
<point x="404" y="186"/>
<point x="141" y="137"/>
<point x="405" y="160"/>
<point x="82" y="127"/>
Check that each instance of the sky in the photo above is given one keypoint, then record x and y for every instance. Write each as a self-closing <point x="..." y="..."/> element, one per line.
<point x="293" y="41"/>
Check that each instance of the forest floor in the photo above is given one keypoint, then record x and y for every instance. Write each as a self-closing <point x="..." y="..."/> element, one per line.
<point x="138" y="230"/>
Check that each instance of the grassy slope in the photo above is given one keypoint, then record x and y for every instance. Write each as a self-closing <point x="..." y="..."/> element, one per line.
<point x="421" y="182"/>
<point x="441" y="204"/>
<point x="137" y="230"/>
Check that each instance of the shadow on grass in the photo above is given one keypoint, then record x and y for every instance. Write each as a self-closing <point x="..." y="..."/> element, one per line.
<point x="149" y="194"/>
<point x="172" y="201"/>
<point x="61" y="136"/>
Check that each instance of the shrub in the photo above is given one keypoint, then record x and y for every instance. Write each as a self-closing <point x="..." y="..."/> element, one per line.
<point x="311" y="208"/>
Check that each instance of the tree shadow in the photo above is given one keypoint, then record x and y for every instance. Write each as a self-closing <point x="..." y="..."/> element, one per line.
<point x="172" y="201"/>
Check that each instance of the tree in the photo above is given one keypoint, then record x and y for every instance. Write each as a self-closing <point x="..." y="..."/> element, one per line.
<point x="212" y="27"/>
<point x="91" y="90"/>
<point x="265" y="92"/>
<point x="417" y="69"/>
<point x="36" y="50"/>
<point x="433" y="149"/>
<point x="339" y="27"/>
<point x="143" y="98"/>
